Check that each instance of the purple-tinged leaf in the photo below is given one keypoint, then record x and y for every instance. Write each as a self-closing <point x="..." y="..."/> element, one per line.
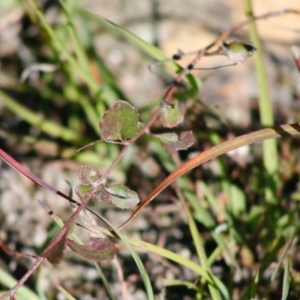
<point x="88" y="175"/>
<point x="13" y="253"/>
<point x="120" y="122"/>
<point x="102" y="195"/>
<point x="171" y="116"/>
<point x="122" y="196"/>
<point x="97" y="250"/>
<point x="55" y="253"/>
<point x="173" y="143"/>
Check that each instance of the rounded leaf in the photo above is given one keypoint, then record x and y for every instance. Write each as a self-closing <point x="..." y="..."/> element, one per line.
<point x="97" y="250"/>
<point x="88" y="175"/>
<point x="171" y="117"/>
<point x="122" y="196"/>
<point x="173" y="143"/>
<point x="120" y="122"/>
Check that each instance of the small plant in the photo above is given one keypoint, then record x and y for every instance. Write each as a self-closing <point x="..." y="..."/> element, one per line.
<point x="120" y="125"/>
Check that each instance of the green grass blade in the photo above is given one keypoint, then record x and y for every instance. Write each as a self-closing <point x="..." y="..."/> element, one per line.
<point x="281" y="259"/>
<point x="135" y="256"/>
<point x="174" y="282"/>
<point x="173" y="257"/>
<point x="254" y="286"/>
<point x="213" y="288"/>
<point x="147" y="48"/>
<point x="80" y="53"/>
<point x="211" y="199"/>
<point x="72" y="65"/>
<point x="65" y="293"/>
<point x="286" y="280"/>
<point x="61" y="48"/>
<point x="270" y="155"/>
<point x="200" y="212"/>
<point x="60" y="223"/>
<point x="22" y="293"/>
<point x="223" y="244"/>
<point x="214" y="255"/>
<point x="138" y="262"/>
<point x="224" y="147"/>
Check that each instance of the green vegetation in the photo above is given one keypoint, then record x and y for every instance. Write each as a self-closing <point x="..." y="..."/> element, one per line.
<point x="224" y="225"/>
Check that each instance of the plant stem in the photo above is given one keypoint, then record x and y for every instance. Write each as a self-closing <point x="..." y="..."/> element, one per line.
<point x="13" y="290"/>
<point x="270" y="155"/>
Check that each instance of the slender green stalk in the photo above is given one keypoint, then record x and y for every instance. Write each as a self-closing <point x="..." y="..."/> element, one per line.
<point x="60" y="47"/>
<point x="80" y="53"/>
<point x="270" y="155"/>
<point x="286" y="280"/>
<point x="72" y="65"/>
<point x="215" y="295"/>
<point x="127" y="243"/>
<point x="65" y="293"/>
<point x="173" y="257"/>
<point x="97" y="266"/>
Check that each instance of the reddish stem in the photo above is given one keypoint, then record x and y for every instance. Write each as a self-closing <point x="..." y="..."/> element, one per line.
<point x="296" y="55"/>
<point x="14" y="289"/>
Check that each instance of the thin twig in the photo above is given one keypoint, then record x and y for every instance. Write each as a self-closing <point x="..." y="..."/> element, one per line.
<point x="225" y="35"/>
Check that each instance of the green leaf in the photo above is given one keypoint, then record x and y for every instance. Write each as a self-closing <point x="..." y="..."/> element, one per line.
<point x="122" y="196"/>
<point x="88" y="175"/>
<point x="81" y="190"/>
<point x="55" y="253"/>
<point x="120" y="122"/>
<point x="97" y="250"/>
<point x="238" y="51"/>
<point x="102" y="195"/>
<point x="237" y="204"/>
<point x="173" y="143"/>
<point x="171" y="117"/>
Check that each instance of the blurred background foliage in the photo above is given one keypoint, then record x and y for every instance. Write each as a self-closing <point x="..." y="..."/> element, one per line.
<point x="63" y="66"/>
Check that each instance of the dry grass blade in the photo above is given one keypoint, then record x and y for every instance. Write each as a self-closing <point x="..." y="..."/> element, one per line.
<point x="247" y="139"/>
